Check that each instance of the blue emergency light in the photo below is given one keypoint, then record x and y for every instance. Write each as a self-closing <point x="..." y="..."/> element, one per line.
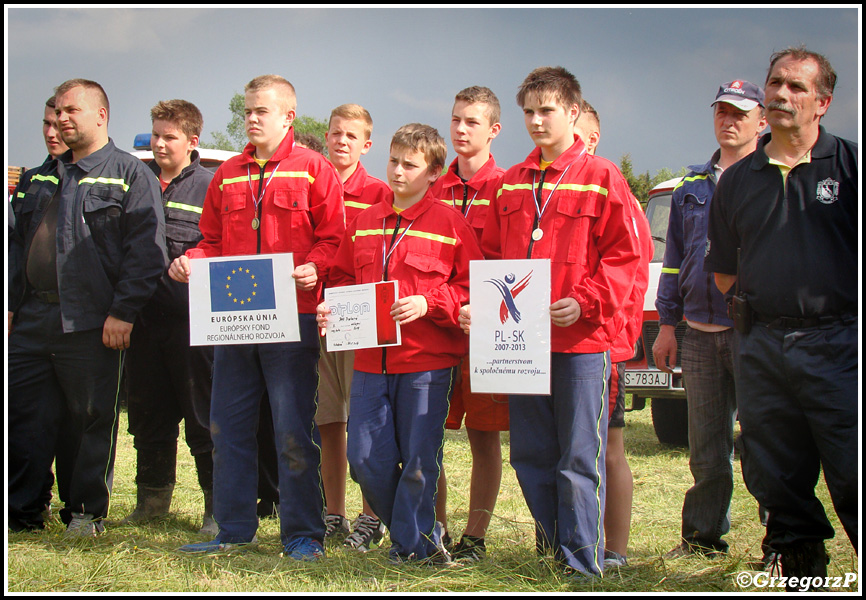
<point x="142" y="141"/>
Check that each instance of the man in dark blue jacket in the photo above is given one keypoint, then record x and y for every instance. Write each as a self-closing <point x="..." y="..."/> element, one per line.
<point x="685" y="290"/>
<point x="94" y="249"/>
<point x="168" y="379"/>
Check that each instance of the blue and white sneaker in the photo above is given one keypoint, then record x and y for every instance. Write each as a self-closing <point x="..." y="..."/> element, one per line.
<point x="218" y="547"/>
<point x="304" y="548"/>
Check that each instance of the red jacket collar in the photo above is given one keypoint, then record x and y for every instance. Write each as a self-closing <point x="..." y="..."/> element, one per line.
<point x="485" y="173"/>
<point x="385" y="209"/>
<point x="533" y="161"/>
<point x="354" y="185"/>
<point x="283" y="150"/>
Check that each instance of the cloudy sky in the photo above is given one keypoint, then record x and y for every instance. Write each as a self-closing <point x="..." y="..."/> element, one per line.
<point x="650" y="72"/>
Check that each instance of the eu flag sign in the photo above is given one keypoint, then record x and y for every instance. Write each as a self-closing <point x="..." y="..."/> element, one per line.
<point x="242" y="285"/>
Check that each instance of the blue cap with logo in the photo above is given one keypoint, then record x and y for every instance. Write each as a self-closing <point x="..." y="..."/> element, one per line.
<point x="742" y="94"/>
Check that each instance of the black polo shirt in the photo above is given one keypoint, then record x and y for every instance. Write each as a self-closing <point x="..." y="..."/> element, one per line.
<point x="798" y="245"/>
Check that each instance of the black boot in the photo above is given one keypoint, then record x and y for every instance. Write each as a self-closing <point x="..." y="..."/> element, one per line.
<point x="804" y="559"/>
<point x="155" y="477"/>
<point x="151" y="503"/>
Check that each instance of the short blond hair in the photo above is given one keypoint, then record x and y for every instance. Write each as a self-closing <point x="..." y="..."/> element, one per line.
<point x="353" y="112"/>
<point x="285" y="90"/>
<point x="418" y="137"/>
<point x="481" y="95"/>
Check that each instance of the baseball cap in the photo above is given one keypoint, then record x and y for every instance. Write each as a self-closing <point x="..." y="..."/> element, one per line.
<point x="742" y="94"/>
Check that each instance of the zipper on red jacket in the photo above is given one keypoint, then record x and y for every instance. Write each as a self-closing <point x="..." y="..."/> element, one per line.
<point x="465" y="197"/>
<point x="385" y="278"/>
<point x="536" y="220"/>
<point x="259" y="209"/>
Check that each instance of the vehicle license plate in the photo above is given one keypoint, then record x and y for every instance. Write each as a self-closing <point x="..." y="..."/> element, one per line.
<point x="647" y="379"/>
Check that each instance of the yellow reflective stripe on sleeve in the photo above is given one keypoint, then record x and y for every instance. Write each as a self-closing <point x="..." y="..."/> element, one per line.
<point x="106" y="181"/>
<point x="352" y="204"/>
<point x="186" y="207"/>
<point x="38" y="177"/>
<point x="670" y="271"/>
<point x="685" y="179"/>
<point x="255" y="177"/>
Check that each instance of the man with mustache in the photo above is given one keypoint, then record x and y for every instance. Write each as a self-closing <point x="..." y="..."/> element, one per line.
<point x="783" y="238"/>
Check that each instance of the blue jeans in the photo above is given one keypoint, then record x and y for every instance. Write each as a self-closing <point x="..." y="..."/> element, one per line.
<point x="396" y="432"/>
<point x="708" y="371"/>
<point x="242" y="374"/>
<point x="557" y="450"/>
<point x="799" y="414"/>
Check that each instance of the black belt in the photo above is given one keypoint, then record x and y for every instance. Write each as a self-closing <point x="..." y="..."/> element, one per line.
<point x="48" y="296"/>
<point x="796" y="323"/>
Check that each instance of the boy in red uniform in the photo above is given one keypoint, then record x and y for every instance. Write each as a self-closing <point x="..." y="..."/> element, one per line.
<point x="274" y="197"/>
<point x="619" y="480"/>
<point x="400" y="394"/>
<point x="565" y="205"/>
<point x="470" y="185"/>
<point x="347" y="139"/>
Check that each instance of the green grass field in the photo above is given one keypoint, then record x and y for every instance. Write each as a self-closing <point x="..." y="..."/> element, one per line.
<point x="144" y="558"/>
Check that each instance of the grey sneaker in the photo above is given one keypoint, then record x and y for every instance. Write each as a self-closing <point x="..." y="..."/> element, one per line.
<point x="366" y="534"/>
<point x="83" y="525"/>
<point x="614" y="560"/>
<point x="336" y="526"/>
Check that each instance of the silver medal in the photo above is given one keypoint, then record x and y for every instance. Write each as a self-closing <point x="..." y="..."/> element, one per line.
<point x="537" y="234"/>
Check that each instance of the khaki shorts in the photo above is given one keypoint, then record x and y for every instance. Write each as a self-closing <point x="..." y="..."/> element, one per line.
<point x="335" y="385"/>
<point x="483" y="412"/>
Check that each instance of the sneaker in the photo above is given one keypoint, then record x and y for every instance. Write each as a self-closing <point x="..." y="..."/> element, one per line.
<point x="336" y="526"/>
<point x="304" y="548"/>
<point x="469" y="548"/>
<point x="83" y="525"/>
<point x="366" y="534"/>
<point x="218" y="547"/>
<point x="614" y="560"/>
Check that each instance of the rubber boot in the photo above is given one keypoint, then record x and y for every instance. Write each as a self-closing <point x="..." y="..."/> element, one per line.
<point x="805" y="559"/>
<point x="151" y="503"/>
<point x="204" y="468"/>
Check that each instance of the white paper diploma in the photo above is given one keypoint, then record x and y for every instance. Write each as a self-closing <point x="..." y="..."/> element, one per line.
<point x="243" y="300"/>
<point x="360" y="316"/>
<point x="509" y="342"/>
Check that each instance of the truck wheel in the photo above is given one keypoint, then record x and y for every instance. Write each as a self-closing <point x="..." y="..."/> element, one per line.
<point x="671" y="420"/>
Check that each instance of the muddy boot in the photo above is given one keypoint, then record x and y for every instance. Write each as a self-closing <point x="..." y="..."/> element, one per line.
<point x="151" y="503"/>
